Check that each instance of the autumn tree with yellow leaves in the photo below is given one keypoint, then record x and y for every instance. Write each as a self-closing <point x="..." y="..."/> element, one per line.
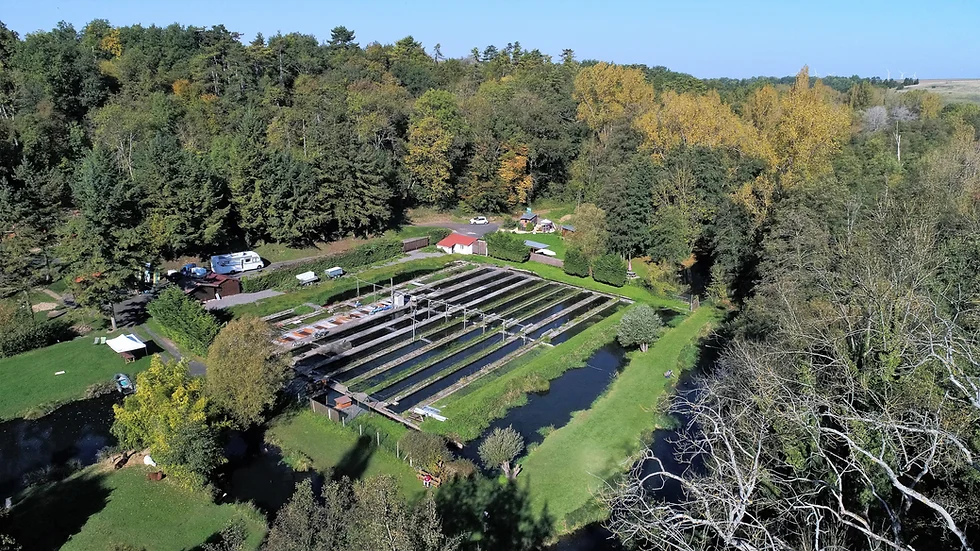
<point x="608" y="94"/>
<point x="435" y="138"/>
<point x="696" y="120"/>
<point x="515" y="174"/>
<point x="167" y="416"/>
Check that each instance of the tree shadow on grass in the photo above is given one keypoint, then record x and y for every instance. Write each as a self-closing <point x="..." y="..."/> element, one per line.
<point x="50" y="515"/>
<point x="355" y="461"/>
<point x="492" y="515"/>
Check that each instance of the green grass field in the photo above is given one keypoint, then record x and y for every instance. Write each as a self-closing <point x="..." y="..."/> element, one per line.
<point x="570" y="465"/>
<point x="635" y="292"/>
<point x="97" y="510"/>
<point x="308" y="439"/>
<point x="28" y="380"/>
<point x="470" y="411"/>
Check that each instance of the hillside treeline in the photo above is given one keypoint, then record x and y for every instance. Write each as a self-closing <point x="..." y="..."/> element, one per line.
<point x="120" y="146"/>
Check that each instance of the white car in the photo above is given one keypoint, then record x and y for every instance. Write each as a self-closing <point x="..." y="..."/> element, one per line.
<point x="479" y="220"/>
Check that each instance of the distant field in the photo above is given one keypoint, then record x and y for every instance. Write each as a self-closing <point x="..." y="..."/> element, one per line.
<point x="962" y="90"/>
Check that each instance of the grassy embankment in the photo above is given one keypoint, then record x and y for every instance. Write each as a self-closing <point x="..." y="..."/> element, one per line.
<point x="309" y="440"/>
<point x="325" y="291"/>
<point x="28" y="383"/>
<point x="566" y="470"/>
<point x="99" y="510"/>
<point x="471" y="410"/>
<point x="635" y="292"/>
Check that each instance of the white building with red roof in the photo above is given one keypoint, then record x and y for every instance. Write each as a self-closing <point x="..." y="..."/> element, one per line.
<point x="457" y="243"/>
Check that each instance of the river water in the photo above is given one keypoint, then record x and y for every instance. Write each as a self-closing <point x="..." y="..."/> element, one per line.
<point x="72" y="434"/>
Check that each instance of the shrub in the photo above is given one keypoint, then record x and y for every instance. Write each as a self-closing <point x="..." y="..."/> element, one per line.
<point x="459" y="468"/>
<point x="575" y="263"/>
<point x="363" y="255"/>
<point x="22" y="335"/>
<point x="185" y="320"/>
<point x="507" y="246"/>
<point x="427" y="449"/>
<point x="610" y="268"/>
<point x="640" y="326"/>
<point x="437" y="234"/>
<point x="100" y="389"/>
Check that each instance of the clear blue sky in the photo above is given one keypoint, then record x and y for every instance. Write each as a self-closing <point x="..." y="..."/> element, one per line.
<point x="737" y="38"/>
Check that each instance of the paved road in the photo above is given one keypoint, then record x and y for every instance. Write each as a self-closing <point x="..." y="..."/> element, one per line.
<point x="467" y="229"/>
<point x="194" y="367"/>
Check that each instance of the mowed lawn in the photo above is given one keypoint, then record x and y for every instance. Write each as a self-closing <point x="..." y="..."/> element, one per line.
<point x="28" y="380"/>
<point x="96" y="510"/>
<point x="332" y="447"/>
<point x="567" y="468"/>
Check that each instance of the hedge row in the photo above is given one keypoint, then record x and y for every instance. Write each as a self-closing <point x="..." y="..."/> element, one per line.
<point x="575" y="263"/>
<point x="363" y="255"/>
<point x="608" y="268"/>
<point x="185" y="320"/>
<point x="611" y="269"/>
<point x="507" y="246"/>
<point x="25" y="336"/>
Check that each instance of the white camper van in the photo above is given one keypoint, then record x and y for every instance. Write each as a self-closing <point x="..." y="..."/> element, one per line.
<point x="236" y="262"/>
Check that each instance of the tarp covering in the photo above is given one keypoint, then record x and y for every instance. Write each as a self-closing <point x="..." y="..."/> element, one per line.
<point x="535" y="244"/>
<point x="125" y="343"/>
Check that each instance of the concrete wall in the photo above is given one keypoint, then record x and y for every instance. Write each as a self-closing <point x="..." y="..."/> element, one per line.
<point x="544" y="259"/>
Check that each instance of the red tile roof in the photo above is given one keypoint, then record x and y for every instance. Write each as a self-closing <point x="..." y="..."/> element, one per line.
<point x="456" y="239"/>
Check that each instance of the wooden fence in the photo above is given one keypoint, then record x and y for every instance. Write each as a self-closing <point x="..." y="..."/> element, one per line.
<point x="324" y="409"/>
<point x="414" y="243"/>
<point x="480" y="247"/>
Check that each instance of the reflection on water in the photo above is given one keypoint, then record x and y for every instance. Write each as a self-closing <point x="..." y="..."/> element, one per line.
<point x="255" y="472"/>
<point x="73" y="433"/>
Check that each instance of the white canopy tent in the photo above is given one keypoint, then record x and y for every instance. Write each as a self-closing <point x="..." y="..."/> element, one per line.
<point x="126" y="343"/>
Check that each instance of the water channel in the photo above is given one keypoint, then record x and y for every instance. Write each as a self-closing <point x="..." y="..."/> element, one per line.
<point x="551" y="409"/>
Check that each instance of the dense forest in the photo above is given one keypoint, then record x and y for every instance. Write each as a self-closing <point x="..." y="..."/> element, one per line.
<point x="840" y="216"/>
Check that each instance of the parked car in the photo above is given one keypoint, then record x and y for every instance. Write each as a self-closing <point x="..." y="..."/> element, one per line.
<point x="479" y="220"/>
<point x="194" y="271"/>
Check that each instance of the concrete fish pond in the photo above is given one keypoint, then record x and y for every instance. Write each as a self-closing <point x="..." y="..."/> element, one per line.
<point x="445" y="333"/>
